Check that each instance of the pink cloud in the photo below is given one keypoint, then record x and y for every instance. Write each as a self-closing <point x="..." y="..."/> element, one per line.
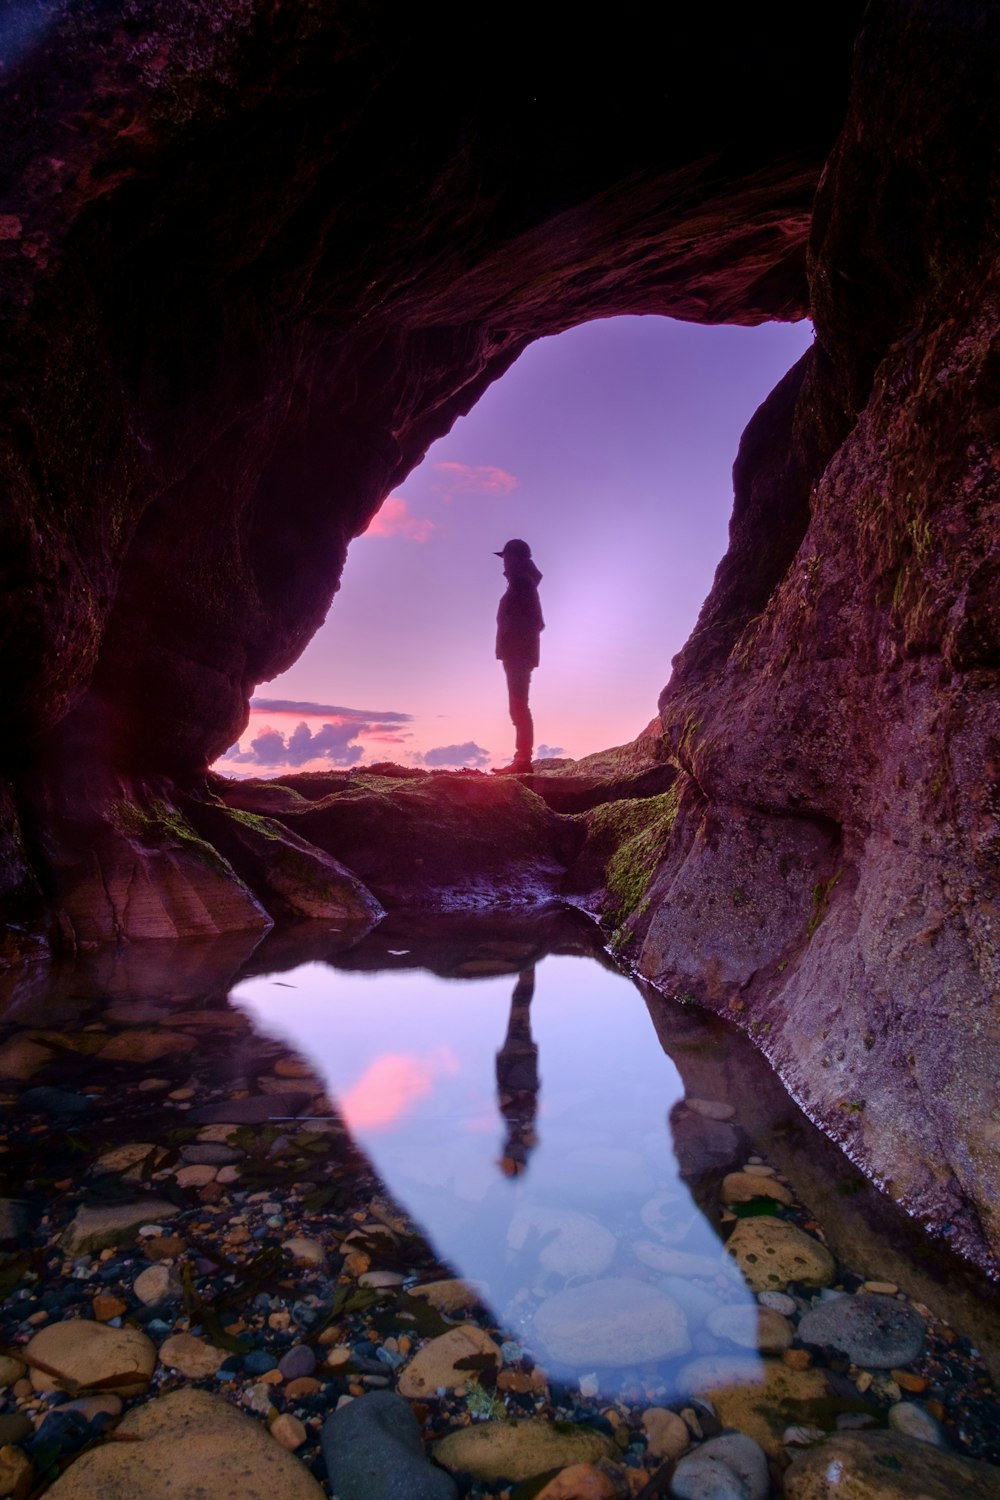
<point x="391" y="1085"/>
<point x="474" y="479"/>
<point x="396" y="519"/>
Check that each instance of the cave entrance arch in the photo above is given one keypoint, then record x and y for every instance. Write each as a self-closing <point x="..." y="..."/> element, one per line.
<point x="610" y="447"/>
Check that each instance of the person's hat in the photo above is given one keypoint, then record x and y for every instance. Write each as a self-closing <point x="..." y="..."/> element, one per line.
<point x="514" y="548"/>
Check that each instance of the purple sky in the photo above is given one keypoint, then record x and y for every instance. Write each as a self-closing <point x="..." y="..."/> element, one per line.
<point x="609" y="449"/>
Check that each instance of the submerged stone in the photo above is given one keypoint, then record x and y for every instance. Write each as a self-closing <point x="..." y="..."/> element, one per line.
<point x="518" y="1449"/>
<point x="612" y="1322"/>
<point x="887" y="1466"/>
<point x="771" y="1253"/>
<point x="374" y="1451"/>
<point x="872" y="1329"/>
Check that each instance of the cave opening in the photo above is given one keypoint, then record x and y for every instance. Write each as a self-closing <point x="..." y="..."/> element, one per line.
<point x="628" y="418"/>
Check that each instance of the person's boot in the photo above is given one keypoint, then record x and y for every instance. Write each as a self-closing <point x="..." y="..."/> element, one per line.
<point x="519" y="766"/>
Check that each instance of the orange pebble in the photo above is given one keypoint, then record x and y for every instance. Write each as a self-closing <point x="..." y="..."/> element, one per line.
<point x="796" y="1359"/>
<point x="907" y="1381"/>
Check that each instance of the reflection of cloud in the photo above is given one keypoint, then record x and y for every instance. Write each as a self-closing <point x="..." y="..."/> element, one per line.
<point x="474" y="479"/>
<point x="549" y="752"/>
<point x="396" y="519"/>
<point x="393" y="1083"/>
<point x="469" y="754"/>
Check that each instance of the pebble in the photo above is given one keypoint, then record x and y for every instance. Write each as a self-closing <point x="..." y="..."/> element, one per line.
<point x="751" y="1327"/>
<point x="731" y="1467"/>
<point x="434" y="1366"/>
<point x="611" y="1322"/>
<point x="667" y="1435"/>
<point x="305" y="1252"/>
<point x="779" y="1302"/>
<point x="86" y="1354"/>
<point x="871" y="1329"/>
<point x="156" y="1284"/>
<point x="11" y="1369"/>
<point x="916" y="1421"/>
<point x="299" y="1362"/>
<point x="105" y="1307"/>
<point x="743" y="1187"/>
<point x="195" y="1176"/>
<point x="711" y="1109"/>
<point x="572" y="1243"/>
<point x="287" y="1430"/>
<point x="94" y="1228"/>
<point x="190" y="1356"/>
<point x="450" y="1295"/>
<point x="374" y="1451"/>
<point x="600" y="1481"/>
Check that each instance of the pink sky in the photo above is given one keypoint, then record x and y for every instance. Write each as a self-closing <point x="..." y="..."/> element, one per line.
<point x="609" y="449"/>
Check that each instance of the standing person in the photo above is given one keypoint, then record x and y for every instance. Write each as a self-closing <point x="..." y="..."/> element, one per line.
<point x="519" y="626"/>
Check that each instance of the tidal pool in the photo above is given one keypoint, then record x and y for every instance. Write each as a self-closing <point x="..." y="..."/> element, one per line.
<point x="301" y="1170"/>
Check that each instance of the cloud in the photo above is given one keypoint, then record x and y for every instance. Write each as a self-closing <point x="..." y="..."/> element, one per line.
<point x="396" y="519"/>
<point x="474" y="479"/>
<point x="321" y="710"/>
<point x="549" y="752"/>
<point x="469" y="754"/>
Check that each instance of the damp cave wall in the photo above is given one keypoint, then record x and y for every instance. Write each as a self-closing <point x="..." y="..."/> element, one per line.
<point x="253" y="260"/>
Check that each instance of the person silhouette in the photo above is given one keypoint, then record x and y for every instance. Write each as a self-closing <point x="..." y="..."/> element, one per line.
<point x="517" y="1078"/>
<point x="519" y="626"/>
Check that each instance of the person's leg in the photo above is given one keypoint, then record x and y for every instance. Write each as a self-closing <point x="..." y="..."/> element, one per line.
<point x="518" y="681"/>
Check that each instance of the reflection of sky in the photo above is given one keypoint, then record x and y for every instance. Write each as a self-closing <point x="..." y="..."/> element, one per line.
<point x="411" y="1060"/>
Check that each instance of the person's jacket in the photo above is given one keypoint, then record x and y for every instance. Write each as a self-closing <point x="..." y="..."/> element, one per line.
<point x="519" y="618"/>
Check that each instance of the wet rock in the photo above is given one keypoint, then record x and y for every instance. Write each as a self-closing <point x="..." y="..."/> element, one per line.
<point x="112" y="1223"/>
<point x="611" y="1322"/>
<point x="450" y="1295"/>
<point x="146" y="1045"/>
<point x="192" y="1443"/>
<point x="195" y="1176"/>
<point x="21" y="1058"/>
<point x="190" y="1355"/>
<point x="678" y="1262"/>
<point x="667" y="1435"/>
<point x="257" y="1109"/>
<point x="742" y="1187"/>
<point x="298" y="1363"/>
<point x="77" y="1354"/>
<point x="752" y="1328"/>
<point x="779" y="1302"/>
<point x="288" y="1431"/>
<point x="703" y="1145"/>
<point x="917" y="1422"/>
<point x="374" y="1451"/>
<point x="758" y="1397"/>
<point x="572" y="1243"/>
<point x="11" y="1369"/>
<point x="434" y="1366"/>
<point x="600" y="1481"/>
<point x="730" y="1467"/>
<point x="873" y="1330"/>
<point x="305" y="1252"/>
<point x="17" y="1477"/>
<point x="156" y="1284"/>
<point x="771" y="1253"/>
<point x="519" y="1449"/>
<point x="211" y="1154"/>
<point x="887" y="1466"/>
<point x="131" y="1159"/>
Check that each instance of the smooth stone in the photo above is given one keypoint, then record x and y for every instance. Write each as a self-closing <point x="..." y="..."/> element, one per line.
<point x="696" y="1300"/>
<point x="193" y="1443"/>
<point x="305" y="1252"/>
<point x="612" y="1322"/>
<point x="758" y="1397"/>
<point x="146" y="1045"/>
<point x="86" y="1354"/>
<point x="287" y="1430"/>
<point x="191" y="1356"/>
<point x="667" y="1435"/>
<point x="195" y="1176"/>
<point x="156" y="1284"/>
<point x="374" y="1451"/>
<point x="434" y="1366"/>
<point x="743" y="1187"/>
<point x="916" y="1422"/>
<point x="519" y="1449"/>
<point x="771" y="1253"/>
<point x="380" y="1280"/>
<point x="779" y="1302"/>
<point x="211" y="1154"/>
<point x="730" y="1467"/>
<point x="573" y="1243"/>
<point x="21" y="1058"/>
<point x="450" y="1295"/>
<point x="17" y="1474"/>
<point x="872" y="1330"/>
<point x="752" y="1327"/>
<point x="257" y="1109"/>
<point x="887" y="1466"/>
<point x="130" y="1159"/>
<point x="678" y="1262"/>
<point x="299" y="1362"/>
<point x="101" y="1228"/>
<point x="711" y="1109"/>
<point x="600" y="1481"/>
<point x="11" y="1369"/>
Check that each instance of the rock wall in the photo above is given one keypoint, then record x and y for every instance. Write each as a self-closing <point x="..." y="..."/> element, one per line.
<point x="840" y="725"/>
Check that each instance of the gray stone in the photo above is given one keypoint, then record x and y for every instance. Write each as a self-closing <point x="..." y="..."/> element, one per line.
<point x="373" y="1451"/>
<point x="779" y="1302"/>
<point x="731" y="1467"/>
<point x="887" y="1466"/>
<point x="917" y="1422"/>
<point x="873" y="1330"/>
<point x="611" y="1322"/>
<point x="298" y="1362"/>
<point x="211" y="1154"/>
<point x="255" y="1110"/>
<point x="570" y="1243"/>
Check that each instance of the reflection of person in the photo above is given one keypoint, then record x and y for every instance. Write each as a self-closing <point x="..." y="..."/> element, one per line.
<point x="517" y="1078"/>
<point x="519" y="626"/>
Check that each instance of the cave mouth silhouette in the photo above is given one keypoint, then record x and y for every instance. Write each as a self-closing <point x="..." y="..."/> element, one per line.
<point x="610" y="447"/>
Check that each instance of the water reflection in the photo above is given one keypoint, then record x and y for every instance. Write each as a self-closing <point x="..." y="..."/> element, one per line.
<point x="590" y="1188"/>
